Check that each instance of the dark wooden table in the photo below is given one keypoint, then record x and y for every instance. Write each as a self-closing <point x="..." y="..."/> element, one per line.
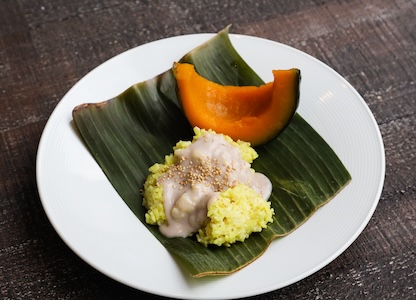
<point x="47" y="46"/>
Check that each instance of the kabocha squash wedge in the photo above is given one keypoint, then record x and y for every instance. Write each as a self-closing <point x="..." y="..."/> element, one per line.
<point x="249" y="113"/>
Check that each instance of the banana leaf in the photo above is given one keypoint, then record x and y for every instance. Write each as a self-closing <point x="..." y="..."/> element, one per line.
<point x="129" y="133"/>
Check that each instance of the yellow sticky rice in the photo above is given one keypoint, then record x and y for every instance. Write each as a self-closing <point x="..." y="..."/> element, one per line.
<point x="236" y="213"/>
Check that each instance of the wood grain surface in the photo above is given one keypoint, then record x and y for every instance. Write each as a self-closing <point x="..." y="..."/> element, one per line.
<point x="47" y="46"/>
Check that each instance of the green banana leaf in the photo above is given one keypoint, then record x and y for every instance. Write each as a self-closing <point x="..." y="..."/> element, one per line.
<point x="129" y="133"/>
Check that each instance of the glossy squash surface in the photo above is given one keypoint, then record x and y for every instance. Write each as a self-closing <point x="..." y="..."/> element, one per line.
<point x="249" y="113"/>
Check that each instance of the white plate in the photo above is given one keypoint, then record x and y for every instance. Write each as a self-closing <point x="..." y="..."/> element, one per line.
<point x="95" y="223"/>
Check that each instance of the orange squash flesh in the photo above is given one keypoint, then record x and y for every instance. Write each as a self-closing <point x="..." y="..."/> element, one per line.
<point x="249" y="113"/>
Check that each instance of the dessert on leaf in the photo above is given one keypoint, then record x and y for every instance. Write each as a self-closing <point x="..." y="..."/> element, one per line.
<point x="130" y="132"/>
